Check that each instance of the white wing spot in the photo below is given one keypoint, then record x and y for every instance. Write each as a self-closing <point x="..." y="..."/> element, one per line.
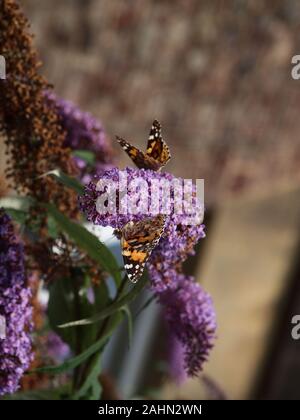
<point x="128" y="266"/>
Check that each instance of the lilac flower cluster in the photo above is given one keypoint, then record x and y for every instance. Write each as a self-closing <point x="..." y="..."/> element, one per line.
<point x="15" y="348"/>
<point x="56" y="348"/>
<point x="94" y="190"/>
<point x="84" y="132"/>
<point x="192" y="320"/>
<point x="189" y="309"/>
<point x="176" y="356"/>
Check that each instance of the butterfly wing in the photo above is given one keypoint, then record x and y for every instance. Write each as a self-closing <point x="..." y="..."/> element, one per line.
<point x="138" y="241"/>
<point x="139" y="158"/>
<point x="157" y="148"/>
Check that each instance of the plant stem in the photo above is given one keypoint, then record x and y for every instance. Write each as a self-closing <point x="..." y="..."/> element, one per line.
<point x="101" y="332"/>
<point x="78" y="347"/>
<point x="106" y="321"/>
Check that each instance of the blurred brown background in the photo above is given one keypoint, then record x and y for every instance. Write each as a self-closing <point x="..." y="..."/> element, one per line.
<point x="217" y="74"/>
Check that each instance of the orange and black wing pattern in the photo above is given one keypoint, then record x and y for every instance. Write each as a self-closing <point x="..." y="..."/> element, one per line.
<point x="139" y="158"/>
<point x="157" y="154"/>
<point x="157" y="148"/>
<point x="138" y="241"/>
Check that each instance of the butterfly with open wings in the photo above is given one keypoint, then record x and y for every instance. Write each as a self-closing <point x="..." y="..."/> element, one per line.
<point x="157" y="154"/>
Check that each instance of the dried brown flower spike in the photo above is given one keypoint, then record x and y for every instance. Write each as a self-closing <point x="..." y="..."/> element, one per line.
<point x="28" y="122"/>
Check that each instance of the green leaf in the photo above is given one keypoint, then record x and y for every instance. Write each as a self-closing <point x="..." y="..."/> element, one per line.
<point x="61" y="306"/>
<point x="40" y="394"/>
<point x="66" y="180"/>
<point x="52" y="227"/>
<point x="68" y="298"/>
<point x="86" y="155"/>
<point x="78" y="360"/>
<point x="87" y="242"/>
<point x="96" y="391"/>
<point x="18" y="216"/>
<point x="101" y="294"/>
<point x="17" y="208"/>
<point x="91" y="386"/>
<point x="116" y="306"/>
<point x="128" y="315"/>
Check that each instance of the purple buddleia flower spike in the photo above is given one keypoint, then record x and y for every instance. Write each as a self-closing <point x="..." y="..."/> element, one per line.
<point x="84" y="132"/>
<point x="176" y="360"/>
<point x="15" y="310"/>
<point x="191" y="317"/>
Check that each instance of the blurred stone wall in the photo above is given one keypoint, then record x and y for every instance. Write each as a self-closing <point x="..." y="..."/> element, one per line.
<point x="249" y="252"/>
<point x="217" y="75"/>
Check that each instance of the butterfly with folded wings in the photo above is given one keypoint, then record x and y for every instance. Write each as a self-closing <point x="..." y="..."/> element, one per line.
<point x="138" y="240"/>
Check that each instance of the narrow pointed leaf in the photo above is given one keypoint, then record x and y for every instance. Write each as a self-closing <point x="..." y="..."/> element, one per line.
<point x="78" y="360"/>
<point x="116" y="306"/>
<point x="128" y="315"/>
<point x="86" y="155"/>
<point x="91" y="384"/>
<point x="66" y="180"/>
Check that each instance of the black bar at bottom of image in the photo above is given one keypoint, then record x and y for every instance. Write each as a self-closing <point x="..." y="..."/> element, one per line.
<point x="128" y="409"/>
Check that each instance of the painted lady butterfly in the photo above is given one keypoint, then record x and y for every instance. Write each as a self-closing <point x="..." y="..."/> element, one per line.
<point x="157" y="154"/>
<point x="138" y="239"/>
